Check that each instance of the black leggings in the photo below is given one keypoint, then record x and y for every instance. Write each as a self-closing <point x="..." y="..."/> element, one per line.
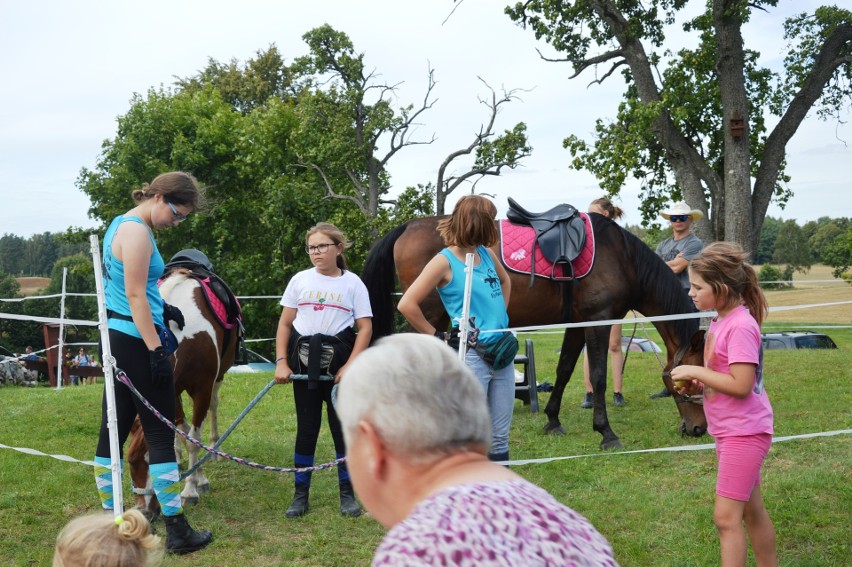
<point x="131" y="356"/>
<point x="309" y="417"/>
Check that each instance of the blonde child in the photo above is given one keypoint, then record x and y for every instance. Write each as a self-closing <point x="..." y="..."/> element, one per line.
<point x="739" y="415"/>
<point x="102" y="540"/>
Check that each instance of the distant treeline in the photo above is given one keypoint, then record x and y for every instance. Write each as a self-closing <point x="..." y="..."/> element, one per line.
<point x="824" y="241"/>
<point x="36" y="256"/>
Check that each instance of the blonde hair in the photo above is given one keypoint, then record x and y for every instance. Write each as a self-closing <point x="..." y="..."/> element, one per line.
<point x="100" y="540"/>
<point x="177" y="187"/>
<point x="336" y="236"/>
<point x="471" y="224"/>
<point x="723" y="266"/>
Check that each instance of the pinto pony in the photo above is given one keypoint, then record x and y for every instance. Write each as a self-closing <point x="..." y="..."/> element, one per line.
<point x="625" y="274"/>
<point x="206" y="350"/>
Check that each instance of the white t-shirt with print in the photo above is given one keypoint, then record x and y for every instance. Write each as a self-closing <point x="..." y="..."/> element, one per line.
<point x="326" y="305"/>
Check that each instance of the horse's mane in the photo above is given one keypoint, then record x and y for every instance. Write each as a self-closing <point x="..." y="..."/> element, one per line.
<point x="657" y="279"/>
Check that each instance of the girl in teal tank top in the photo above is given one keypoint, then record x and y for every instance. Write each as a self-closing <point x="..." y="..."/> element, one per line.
<point x="471" y="229"/>
<point x="132" y="266"/>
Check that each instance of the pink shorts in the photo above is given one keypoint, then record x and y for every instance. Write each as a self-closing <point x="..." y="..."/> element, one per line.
<point x="740" y="458"/>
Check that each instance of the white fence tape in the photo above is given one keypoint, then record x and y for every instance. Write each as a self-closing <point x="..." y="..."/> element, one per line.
<point x="681" y="448"/>
<point x="601" y="323"/>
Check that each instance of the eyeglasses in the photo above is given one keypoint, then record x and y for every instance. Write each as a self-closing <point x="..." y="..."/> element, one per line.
<point x="180" y="217"/>
<point x="319" y="248"/>
<point x="679" y="218"/>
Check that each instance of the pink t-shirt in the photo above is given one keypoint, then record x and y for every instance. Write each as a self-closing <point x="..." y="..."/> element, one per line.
<point x="735" y="338"/>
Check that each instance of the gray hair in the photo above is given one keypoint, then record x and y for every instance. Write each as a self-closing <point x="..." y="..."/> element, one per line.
<point x="421" y="399"/>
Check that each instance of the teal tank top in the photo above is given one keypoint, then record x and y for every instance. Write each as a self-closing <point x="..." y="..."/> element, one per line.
<point x="486" y="298"/>
<point x="114" y="290"/>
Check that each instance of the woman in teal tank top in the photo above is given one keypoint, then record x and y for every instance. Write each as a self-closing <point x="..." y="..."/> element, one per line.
<point x="132" y="266"/>
<point x="471" y="229"/>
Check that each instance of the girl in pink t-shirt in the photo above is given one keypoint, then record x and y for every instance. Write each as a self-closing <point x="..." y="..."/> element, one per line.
<point x="739" y="415"/>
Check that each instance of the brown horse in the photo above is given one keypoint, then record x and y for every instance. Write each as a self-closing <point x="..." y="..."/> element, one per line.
<point x="626" y="275"/>
<point x="206" y="350"/>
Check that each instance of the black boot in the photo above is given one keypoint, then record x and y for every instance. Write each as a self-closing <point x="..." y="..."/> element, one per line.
<point x="348" y="504"/>
<point x="499" y="457"/>
<point x="182" y="538"/>
<point x="299" y="506"/>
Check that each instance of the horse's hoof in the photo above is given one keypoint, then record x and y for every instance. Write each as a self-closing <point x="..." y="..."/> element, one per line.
<point x="554" y="430"/>
<point x="611" y="444"/>
<point x="190" y="501"/>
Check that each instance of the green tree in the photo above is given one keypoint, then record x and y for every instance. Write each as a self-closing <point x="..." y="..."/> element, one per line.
<point x="766" y="243"/>
<point x="9" y="289"/>
<point x="696" y="130"/>
<point x="838" y="254"/>
<point x="244" y="86"/>
<point x="346" y="116"/>
<point x="259" y="202"/>
<point x="791" y="247"/>
<point x="41" y="253"/>
<point x="12" y="254"/>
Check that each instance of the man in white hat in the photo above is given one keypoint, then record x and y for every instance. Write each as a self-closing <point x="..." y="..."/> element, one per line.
<point x="678" y="250"/>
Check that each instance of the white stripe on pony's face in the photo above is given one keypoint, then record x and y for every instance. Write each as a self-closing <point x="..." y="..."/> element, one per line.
<point x="179" y="290"/>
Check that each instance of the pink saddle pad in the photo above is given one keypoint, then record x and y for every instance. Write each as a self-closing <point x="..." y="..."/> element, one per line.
<point x="216" y="304"/>
<point x="516" y="248"/>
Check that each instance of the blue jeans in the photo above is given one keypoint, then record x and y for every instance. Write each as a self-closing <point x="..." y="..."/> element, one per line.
<point x="499" y="388"/>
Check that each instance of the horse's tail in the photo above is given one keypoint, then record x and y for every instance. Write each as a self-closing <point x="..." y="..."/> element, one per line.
<point x="379" y="277"/>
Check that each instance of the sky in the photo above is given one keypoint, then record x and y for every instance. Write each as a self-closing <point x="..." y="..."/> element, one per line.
<point x="71" y="68"/>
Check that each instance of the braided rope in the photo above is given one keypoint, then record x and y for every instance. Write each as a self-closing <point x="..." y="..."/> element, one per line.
<point x="123" y="378"/>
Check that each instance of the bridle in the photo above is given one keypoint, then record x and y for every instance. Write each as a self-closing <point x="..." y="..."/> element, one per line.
<point x="697" y="399"/>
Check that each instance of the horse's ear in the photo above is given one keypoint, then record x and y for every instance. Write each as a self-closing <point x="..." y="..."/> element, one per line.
<point x="697" y="343"/>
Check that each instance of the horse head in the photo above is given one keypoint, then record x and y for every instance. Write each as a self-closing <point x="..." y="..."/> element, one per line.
<point x="693" y="422"/>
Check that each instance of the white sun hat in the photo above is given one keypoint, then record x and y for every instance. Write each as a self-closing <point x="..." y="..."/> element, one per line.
<point x="681" y="208"/>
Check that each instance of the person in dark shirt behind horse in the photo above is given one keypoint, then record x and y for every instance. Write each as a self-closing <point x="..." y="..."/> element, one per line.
<point x="677" y="250"/>
<point x="136" y="314"/>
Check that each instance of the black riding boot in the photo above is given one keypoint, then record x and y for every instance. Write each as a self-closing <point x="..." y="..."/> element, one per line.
<point x="299" y="506"/>
<point x="182" y="538"/>
<point x="348" y="504"/>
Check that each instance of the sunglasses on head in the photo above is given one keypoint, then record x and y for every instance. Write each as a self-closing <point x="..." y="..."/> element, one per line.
<point x="679" y="218"/>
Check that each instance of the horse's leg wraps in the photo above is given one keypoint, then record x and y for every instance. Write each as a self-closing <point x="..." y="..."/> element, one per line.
<point x="165" y="478"/>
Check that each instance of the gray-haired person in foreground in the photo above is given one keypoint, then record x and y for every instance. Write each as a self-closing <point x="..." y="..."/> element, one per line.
<point x="417" y="432"/>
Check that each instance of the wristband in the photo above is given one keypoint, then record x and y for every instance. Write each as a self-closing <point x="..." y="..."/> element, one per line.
<point x="280" y="358"/>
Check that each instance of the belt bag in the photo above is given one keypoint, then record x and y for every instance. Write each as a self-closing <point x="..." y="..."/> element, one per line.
<point x="167" y="339"/>
<point x="500" y="353"/>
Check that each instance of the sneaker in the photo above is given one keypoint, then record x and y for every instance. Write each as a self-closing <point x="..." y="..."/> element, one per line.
<point x="588" y="401"/>
<point x="661" y="394"/>
<point x="618" y="399"/>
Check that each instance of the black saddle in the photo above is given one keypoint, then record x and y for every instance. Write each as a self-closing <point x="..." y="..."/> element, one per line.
<point x="560" y="234"/>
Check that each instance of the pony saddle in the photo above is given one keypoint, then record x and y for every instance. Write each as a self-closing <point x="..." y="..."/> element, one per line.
<point x="219" y="296"/>
<point x="560" y="233"/>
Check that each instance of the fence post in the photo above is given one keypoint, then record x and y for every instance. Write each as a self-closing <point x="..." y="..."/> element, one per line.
<point x="465" y="315"/>
<point x="109" y="383"/>
<point x="60" y="358"/>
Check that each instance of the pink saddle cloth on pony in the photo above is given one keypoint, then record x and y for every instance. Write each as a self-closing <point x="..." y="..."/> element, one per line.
<point x="227" y="320"/>
<point x="516" y="249"/>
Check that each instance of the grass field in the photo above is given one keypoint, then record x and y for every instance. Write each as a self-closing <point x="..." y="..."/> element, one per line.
<point x="655" y="508"/>
<point x="31" y="285"/>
